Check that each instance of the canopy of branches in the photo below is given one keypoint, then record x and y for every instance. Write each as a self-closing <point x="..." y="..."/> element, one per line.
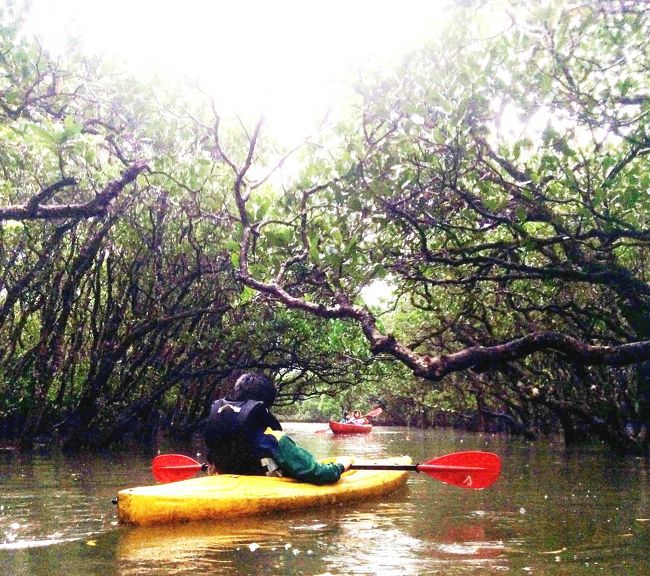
<point x="497" y="182"/>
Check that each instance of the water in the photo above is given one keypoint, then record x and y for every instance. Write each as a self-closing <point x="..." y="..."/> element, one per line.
<point x="552" y="512"/>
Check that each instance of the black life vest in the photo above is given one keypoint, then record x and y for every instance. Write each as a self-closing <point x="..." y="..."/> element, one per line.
<point x="230" y="435"/>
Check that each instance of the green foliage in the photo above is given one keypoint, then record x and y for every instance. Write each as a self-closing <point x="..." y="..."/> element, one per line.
<point x="496" y="179"/>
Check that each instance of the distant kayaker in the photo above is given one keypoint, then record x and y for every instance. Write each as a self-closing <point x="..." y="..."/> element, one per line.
<point x="243" y="437"/>
<point x="358" y="419"/>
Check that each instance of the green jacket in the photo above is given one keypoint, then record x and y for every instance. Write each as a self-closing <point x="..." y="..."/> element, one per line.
<point x="296" y="462"/>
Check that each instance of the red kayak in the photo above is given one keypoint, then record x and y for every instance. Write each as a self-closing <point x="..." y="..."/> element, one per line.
<point x="340" y="428"/>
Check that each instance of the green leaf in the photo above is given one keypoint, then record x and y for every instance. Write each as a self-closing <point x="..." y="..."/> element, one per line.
<point x="246" y="295"/>
<point x="71" y="127"/>
<point x="313" y="246"/>
<point x="521" y="214"/>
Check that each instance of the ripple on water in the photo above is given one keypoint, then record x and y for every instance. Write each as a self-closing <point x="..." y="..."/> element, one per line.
<point x="17" y="544"/>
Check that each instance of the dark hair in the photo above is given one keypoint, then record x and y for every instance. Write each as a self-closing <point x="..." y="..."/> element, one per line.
<point x="252" y="386"/>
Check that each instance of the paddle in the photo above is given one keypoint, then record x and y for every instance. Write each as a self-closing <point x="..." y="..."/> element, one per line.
<point x="175" y="467"/>
<point x="471" y="469"/>
<point x="372" y="414"/>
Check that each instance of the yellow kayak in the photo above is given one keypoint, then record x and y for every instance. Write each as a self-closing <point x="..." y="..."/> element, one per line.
<point x="226" y="496"/>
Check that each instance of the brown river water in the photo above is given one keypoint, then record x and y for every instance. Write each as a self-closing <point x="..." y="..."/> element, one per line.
<point x="553" y="511"/>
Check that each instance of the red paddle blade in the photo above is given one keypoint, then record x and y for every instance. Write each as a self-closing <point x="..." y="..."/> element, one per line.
<point x="476" y="470"/>
<point x="174" y="467"/>
<point x="374" y="412"/>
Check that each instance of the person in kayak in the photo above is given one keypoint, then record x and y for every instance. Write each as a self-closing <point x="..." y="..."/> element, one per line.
<point x="243" y="437"/>
<point x="358" y="419"/>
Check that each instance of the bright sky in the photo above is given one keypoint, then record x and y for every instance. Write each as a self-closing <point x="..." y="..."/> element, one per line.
<point x="283" y="58"/>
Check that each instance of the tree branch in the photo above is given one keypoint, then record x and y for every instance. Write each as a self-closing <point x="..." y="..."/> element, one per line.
<point x="35" y="210"/>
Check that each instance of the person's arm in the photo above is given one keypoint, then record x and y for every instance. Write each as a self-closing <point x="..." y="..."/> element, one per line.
<point x="296" y="462"/>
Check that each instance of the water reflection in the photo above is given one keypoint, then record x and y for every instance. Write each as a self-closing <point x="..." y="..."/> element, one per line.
<point x="178" y="548"/>
<point x="324" y="543"/>
<point x="469" y="542"/>
<point x="48" y="500"/>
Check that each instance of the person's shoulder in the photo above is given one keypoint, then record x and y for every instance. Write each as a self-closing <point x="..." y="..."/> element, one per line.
<point x="258" y="412"/>
<point x="254" y="408"/>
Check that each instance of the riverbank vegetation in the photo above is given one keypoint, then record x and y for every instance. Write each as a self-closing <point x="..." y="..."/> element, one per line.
<point x="495" y="184"/>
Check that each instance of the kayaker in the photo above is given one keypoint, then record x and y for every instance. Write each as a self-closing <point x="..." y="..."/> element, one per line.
<point x="346" y="418"/>
<point x="358" y="419"/>
<point x="243" y="437"/>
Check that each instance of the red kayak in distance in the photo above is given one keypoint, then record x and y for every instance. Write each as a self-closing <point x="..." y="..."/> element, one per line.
<point x="341" y="428"/>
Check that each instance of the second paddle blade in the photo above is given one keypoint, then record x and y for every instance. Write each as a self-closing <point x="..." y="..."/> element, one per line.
<point x="471" y="469"/>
